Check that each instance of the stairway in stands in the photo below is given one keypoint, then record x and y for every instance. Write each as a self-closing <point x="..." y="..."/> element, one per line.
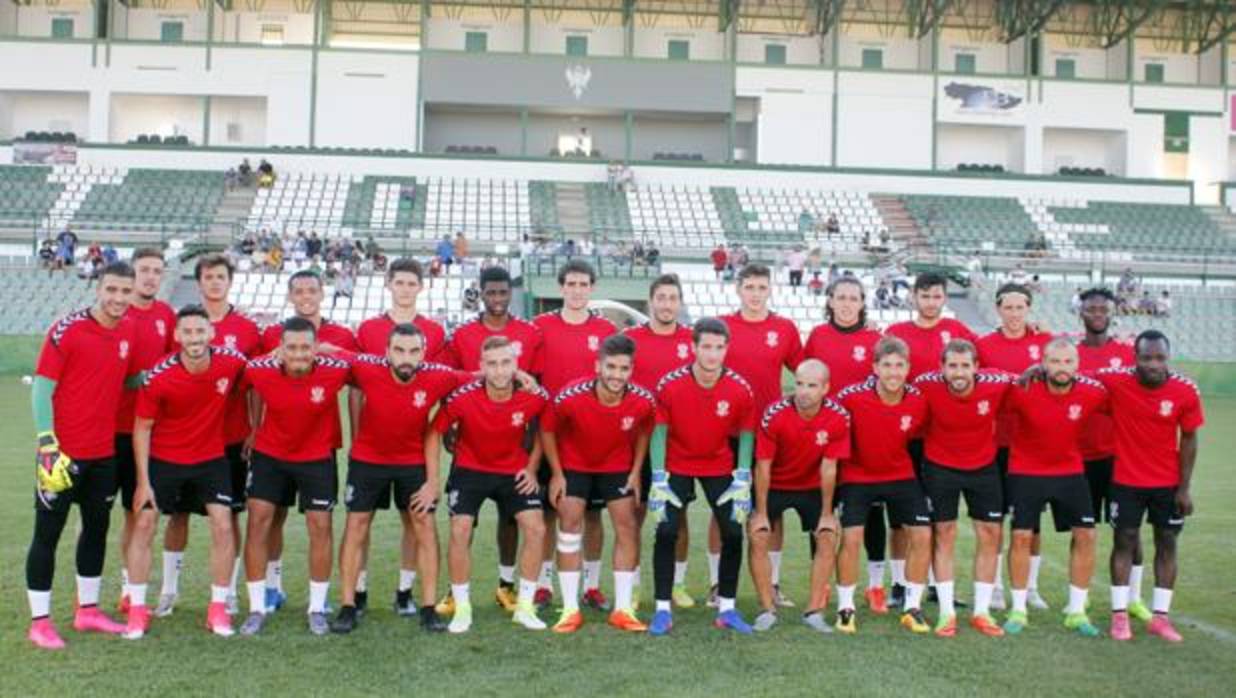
<point x="234" y="206"/>
<point x="901" y="226"/>
<point x="1223" y="218"/>
<point x="572" y="205"/>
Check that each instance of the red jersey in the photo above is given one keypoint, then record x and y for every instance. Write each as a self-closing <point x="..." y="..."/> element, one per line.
<point x="927" y="345"/>
<point x="569" y="351"/>
<point x="1049" y="426"/>
<point x="463" y="345"/>
<point x="395" y="415"/>
<point x="1014" y="356"/>
<point x="1098" y="437"/>
<point x="89" y="364"/>
<point x="880" y="433"/>
<point x="597" y="438"/>
<point x="758" y="351"/>
<point x="300" y="418"/>
<point x="328" y="333"/>
<point x="1148" y="424"/>
<point x="848" y="354"/>
<point x="658" y="354"/>
<point x="701" y="420"/>
<point x="961" y="431"/>
<point x="152" y="340"/>
<point x="796" y="445"/>
<point x="237" y="332"/>
<point x="188" y="408"/>
<point x="372" y="335"/>
<point x="491" y="434"/>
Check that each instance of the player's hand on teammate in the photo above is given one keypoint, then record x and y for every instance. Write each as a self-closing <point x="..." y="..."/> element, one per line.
<point x="660" y="494"/>
<point x="634" y="486"/>
<point x="246" y="449"/>
<point x="1184" y="501"/>
<point x="526" y="381"/>
<point x="827" y="524"/>
<point x="425" y="499"/>
<point x="525" y="481"/>
<point x="739" y="494"/>
<point x="758" y="523"/>
<point x="143" y="497"/>
<point x="557" y="488"/>
<point x="1034" y="373"/>
<point x="54" y="470"/>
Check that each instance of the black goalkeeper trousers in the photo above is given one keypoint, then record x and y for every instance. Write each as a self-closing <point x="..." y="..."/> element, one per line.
<point x="666" y="539"/>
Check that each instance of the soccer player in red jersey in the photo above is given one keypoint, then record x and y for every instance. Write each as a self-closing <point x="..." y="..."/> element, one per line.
<point x="1157" y="413"/>
<point x="885" y="413"/>
<point x="178" y="441"/>
<point x="293" y="457"/>
<point x="797" y="447"/>
<point x="1013" y="347"/>
<point x="85" y="364"/>
<point x="153" y="322"/>
<point x="404" y="279"/>
<point x="662" y="344"/>
<point x="762" y="344"/>
<point x="463" y="351"/>
<point x="1096" y="351"/>
<point x="595" y="435"/>
<point x="698" y="407"/>
<point x="496" y="457"/>
<point x="570" y="340"/>
<point x="845" y="344"/>
<point x="1045" y="467"/>
<point x="925" y="336"/>
<point x="388" y="461"/>
<point x="959" y="458"/>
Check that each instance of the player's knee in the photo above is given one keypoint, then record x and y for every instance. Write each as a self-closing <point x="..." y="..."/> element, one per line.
<point x="532" y="528"/>
<point x="1165" y="540"/>
<point x="1125" y="540"/>
<point x="1022" y="538"/>
<point x="318" y="523"/>
<point x="920" y="537"/>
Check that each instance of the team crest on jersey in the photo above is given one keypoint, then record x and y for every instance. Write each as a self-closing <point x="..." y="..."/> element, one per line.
<point x="124" y="349"/>
<point x="229" y="341"/>
<point x="984" y="407"/>
<point x="1074" y="412"/>
<point x="221" y="386"/>
<point x="860" y="353"/>
<point x="317" y="394"/>
<point x="905" y="422"/>
<point x="682" y="350"/>
<point x="821" y="438"/>
<point x="628" y="423"/>
<point x="517" y="348"/>
<point x="771" y="339"/>
<point x="1165" y="408"/>
<point x="594" y="342"/>
<point x="517" y="419"/>
<point x="723" y="408"/>
<point x="161" y="328"/>
<point x="419" y="398"/>
<point x="946" y="337"/>
<point x="1034" y="352"/>
<point x="1115" y="362"/>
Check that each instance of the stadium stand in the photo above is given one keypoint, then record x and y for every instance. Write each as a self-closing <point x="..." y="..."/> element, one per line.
<point x="142" y="200"/>
<point x="26" y="192"/>
<point x="972" y="221"/>
<point x="299" y="199"/>
<point x="490" y="210"/>
<point x="609" y="212"/>
<point x="681" y="216"/>
<point x="1087" y="226"/>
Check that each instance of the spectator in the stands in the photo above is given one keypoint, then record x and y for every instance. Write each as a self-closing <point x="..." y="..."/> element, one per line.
<point x="585" y="248"/>
<point x="1017" y="275"/>
<point x="720" y="259"/>
<point x="275" y="257"/>
<point x="884" y="297"/>
<point x="245" y="172"/>
<point x="795" y="262"/>
<point x="435" y="268"/>
<point x="110" y="254"/>
<point x="266" y="174"/>
<point x="527" y="248"/>
<point x="627" y="178"/>
<point x="1128" y="284"/>
<point x="85" y="270"/>
<point x="313" y="245"/>
<point x="94" y="251"/>
<point x="613" y="173"/>
<point x="345" y="282"/>
<point x="1163" y="306"/>
<point x="1035" y="285"/>
<point x="833" y="272"/>
<point x="816" y="284"/>
<point x="445" y="251"/>
<point x="231" y="179"/>
<point x="247" y="244"/>
<point x="1075" y="302"/>
<point x="832" y="225"/>
<point x="741" y="257"/>
<point x="300" y="249"/>
<point x="1146" y="305"/>
<point x="472" y="298"/>
<point x="66" y="246"/>
<point x="461" y="251"/>
<point x="47" y="254"/>
<point x="652" y="255"/>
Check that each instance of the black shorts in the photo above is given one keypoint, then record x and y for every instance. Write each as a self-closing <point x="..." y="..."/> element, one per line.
<point x="467" y="490"/>
<point x="904" y="500"/>
<point x="371" y="486"/>
<point x="1099" y="477"/>
<point x="597" y="489"/>
<point x="126" y="469"/>
<point x="982" y="489"/>
<point x="280" y="482"/>
<point x="175" y="485"/>
<point x="645" y="483"/>
<point x="95" y="483"/>
<point x="1069" y="496"/>
<point x="1127" y="505"/>
<point x="806" y="503"/>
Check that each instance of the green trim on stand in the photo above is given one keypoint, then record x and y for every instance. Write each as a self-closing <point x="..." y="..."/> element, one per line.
<point x="1179" y="111"/>
<point x="319" y="38"/>
<point x="210" y="30"/>
<point x="523" y="132"/>
<point x="206" y="116"/>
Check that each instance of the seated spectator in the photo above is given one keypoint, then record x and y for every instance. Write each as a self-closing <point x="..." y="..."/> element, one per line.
<point x="795" y="262"/>
<point x="85" y="270"/>
<point x="445" y="251"/>
<point x="884" y="297"/>
<point x="652" y="255"/>
<point x="1146" y="305"/>
<point x="372" y="249"/>
<point x="231" y="178"/>
<point x="345" y="282"/>
<point x="94" y="252"/>
<point x="472" y="298"/>
<point x="1163" y="306"/>
<point x="1035" y="285"/>
<point x="720" y="259"/>
<point x="1128" y="285"/>
<point x="1018" y="275"/>
<point x="527" y="248"/>
<point x="461" y="250"/>
<point x="816" y="284"/>
<point x="435" y="267"/>
<point x="832" y="225"/>
<point x="245" y="173"/>
<point x="47" y="254"/>
<point x="110" y="254"/>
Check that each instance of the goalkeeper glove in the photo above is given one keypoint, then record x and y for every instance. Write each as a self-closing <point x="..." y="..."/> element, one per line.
<point x="53" y="469"/>
<point x="659" y="493"/>
<point x="739" y="492"/>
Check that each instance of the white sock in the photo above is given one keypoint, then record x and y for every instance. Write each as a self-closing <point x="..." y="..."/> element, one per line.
<point x="592" y="574"/>
<point x="1135" y="582"/>
<point x="231" y="587"/>
<point x="1120" y="598"/>
<point x="568" y="582"/>
<point x="546" y="580"/>
<point x="406" y="579"/>
<point x="931" y="577"/>
<point x="774" y="556"/>
<point x="462" y="593"/>
<point x="317" y="596"/>
<point x="624" y="585"/>
<point x="362" y="581"/>
<point x="875" y="574"/>
<point x="636" y="579"/>
<point x="124" y="577"/>
<point x="1161" y="602"/>
<point x="914" y="595"/>
<point x="219" y="594"/>
<point x="1077" y="600"/>
<point x="527" y="591"/>
<point x="1019" y="600"/>
<point x="845" y="597"/>
<point x="898" y="568"/>
<point x="999" y="583"/>
<point x="714" y="567"/>
<point x="506" y="573"/>
<point x="1036" y="561"/>
<point x="40" y="603"/>
<point x="88" y="590"/>
<point x="137" y="594"/>
<point x="664" y="606"/>
<point x="724" y="604"/>
<point x="680" y="573"/>
<point x="274" y="575"/>
<point x="982" y="598"/>
<point x="944" y="591"/>
<point x="257" y="596"/>
<point x="172" y="562"/>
